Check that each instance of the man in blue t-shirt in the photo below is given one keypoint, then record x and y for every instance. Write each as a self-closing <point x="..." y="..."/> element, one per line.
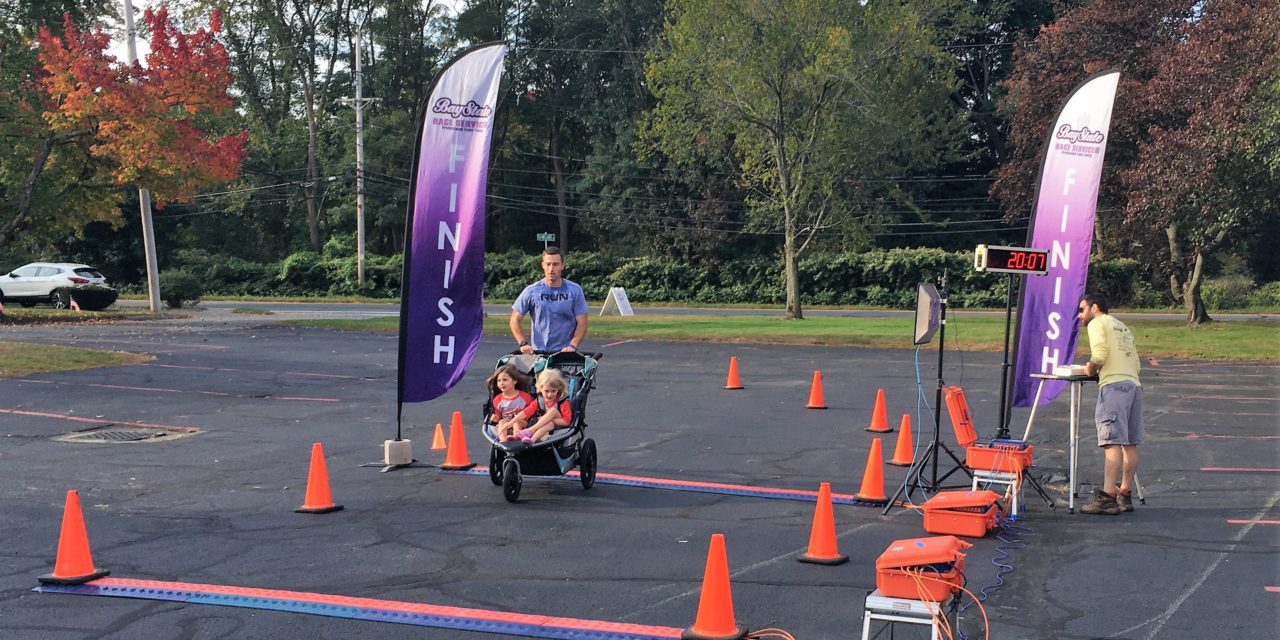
<point x="558" y="306"/>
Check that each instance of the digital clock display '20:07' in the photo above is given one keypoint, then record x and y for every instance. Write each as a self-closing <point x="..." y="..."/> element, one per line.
<point x="1011" y="259"/>
<point x="1025" y="261"/>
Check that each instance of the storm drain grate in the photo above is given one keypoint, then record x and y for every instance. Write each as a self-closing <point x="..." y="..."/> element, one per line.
<point x="118" y="433"/>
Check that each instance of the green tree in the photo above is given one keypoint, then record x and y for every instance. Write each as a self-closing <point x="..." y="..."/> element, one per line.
<point x="573" y="82"/>
<point x="1128" y="35"/>
<point x="805" y="93"/>
<point x="1262" y="250"/>
<point x="651" y="208"/>
<point x="981" y="39"/>
<point x="50" y="187"/>
<point x="1186" y="176"/>
<point x="131" y="125"/>
<point x="1201" y="174"/>
<point x="314" y="37"/>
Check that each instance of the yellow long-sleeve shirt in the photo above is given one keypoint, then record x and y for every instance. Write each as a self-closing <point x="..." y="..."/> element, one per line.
<point x="1111" y="347"/>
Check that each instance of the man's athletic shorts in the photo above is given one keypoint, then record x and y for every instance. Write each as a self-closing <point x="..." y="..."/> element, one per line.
<point x="1118" y="415"/>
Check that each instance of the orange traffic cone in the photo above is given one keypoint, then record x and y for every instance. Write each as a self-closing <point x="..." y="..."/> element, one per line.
<point x="822" y="537"/>
<point x="437" y="443"/>
<point x="904" y="453"/>
<point x="732" y="381"/>
<point x="74" y="564"/>
<point x="879" y="423"/>
<point x="318" y="499"/>
<point x="457" y="459"/>
<point x="815" y="393"/>
<point x="715" y="606"/>
<point x="873" y="478"/>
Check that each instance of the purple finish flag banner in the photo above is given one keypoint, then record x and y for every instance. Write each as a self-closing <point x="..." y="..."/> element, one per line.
<point x="1062" y="224"/>
<point x="442" y="288"/>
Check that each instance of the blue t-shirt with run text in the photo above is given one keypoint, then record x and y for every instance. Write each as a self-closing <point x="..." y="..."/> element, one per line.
<point x="554" y="310"/>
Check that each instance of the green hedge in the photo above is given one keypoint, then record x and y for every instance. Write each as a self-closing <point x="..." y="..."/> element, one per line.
<point x="179" y="287"/>
<point x="884" y="278"/>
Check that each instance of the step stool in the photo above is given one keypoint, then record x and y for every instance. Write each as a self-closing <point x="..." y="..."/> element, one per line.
<point x="895" y="611"/>
<point x="1011" y="480"/>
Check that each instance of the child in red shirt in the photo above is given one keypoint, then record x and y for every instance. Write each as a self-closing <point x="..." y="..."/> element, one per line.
<point x="556" y="410"/>
<point x="509" y="401"/>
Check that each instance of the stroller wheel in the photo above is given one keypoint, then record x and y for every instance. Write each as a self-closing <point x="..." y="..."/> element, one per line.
<point x="495" y="466"/>
<point x="587" y="463"/>
<point x="511" y="480"/>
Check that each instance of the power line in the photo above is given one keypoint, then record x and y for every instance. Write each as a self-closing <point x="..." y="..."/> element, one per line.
<point x="886" y="179"/>
<point x="602" y="219"/>
<point x="245" y="190"/>
<point x="741" y="202"/>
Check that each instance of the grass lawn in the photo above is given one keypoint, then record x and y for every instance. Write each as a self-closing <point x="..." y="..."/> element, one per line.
<point x="22" y="359"/>
<point x="13" y="315"/>
<point x="1235" y="340"/>
<point x="1241" y="340"/>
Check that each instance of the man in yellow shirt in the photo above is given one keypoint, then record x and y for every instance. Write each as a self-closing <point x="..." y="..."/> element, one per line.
<point x="1114" y="358"/>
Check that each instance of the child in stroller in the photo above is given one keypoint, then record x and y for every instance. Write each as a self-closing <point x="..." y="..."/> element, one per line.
<point x="510" y="391"/>
<point x="554" y="443"/>
<point x="553" y="404"/>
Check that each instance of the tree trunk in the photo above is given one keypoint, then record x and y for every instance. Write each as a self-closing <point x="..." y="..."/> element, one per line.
<point x="1197" y="313"/>
<point x="1175" y="259"/>
<point x="561" y="183"/>
<point x="792" y="275"/>
<point x="1187" y="290"/>
<point x="16" y="223"/>
<point x="39" y="159"/>
<point x="311" y="189"/>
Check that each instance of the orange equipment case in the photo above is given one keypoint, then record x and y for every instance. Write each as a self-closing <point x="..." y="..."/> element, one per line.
<point x="962" y="513"/>
<point x="1008" y="456"/>
<point x="938" y="561"/>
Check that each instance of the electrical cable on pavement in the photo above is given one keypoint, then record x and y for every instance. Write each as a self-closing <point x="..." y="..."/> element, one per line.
<point x="1008" y="544"/>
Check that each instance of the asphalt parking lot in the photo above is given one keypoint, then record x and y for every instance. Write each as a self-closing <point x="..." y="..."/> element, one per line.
<point x="215" y="506"/>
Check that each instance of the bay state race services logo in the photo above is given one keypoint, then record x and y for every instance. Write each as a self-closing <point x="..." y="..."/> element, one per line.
<point x="1083" y="142"/>
<point x="471" y="109"/>
<point x="1083" y="135"/>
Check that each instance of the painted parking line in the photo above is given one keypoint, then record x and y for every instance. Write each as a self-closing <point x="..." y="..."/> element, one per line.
<point x="1225" y="398"/>
<point x="394" y="611"/>
<point x="1230" y="437"/>
<point x="156" y="347"/>
<point x="1253" y="521"/>
<point x="220" y="394"/>
<point x="614" y="344"/>
<point x="306" y="374"/>
<point x="1240" y="469"/>
<point x="122" y="387"/>
<point x="1273" y="589"/>
<point x="721" y="488"/>
<point x="99" y="421"/>
<point x="1225" y="413"/>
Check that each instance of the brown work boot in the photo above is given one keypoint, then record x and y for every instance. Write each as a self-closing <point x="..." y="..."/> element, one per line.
<point x="1103" y="503"/>
<point x="1125" y="500"/>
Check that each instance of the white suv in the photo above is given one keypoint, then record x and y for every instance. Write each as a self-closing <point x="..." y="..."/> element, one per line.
<point x="57" y="283"/>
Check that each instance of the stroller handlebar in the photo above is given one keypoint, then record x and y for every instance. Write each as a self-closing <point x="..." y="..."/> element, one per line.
<point x="540" y="352"/>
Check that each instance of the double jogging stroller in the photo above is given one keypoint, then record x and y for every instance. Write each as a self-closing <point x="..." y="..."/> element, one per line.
<point x="566" y="447"/>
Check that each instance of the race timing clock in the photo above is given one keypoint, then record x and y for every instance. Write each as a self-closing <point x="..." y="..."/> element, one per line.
<point x="1011" y="260"/>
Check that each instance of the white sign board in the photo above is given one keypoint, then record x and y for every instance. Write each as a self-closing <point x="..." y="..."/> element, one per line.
<point x="617" y="304"/>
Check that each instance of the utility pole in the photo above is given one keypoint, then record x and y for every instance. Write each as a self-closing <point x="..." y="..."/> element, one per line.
<point x="144" y="195"/>
<point x="358" y="103"/>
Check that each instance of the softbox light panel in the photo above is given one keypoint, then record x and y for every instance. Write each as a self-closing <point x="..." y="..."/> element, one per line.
<point x="928" y="312"/>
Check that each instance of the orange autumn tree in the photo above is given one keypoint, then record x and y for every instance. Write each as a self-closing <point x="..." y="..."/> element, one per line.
<point x="145" y="126"/>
